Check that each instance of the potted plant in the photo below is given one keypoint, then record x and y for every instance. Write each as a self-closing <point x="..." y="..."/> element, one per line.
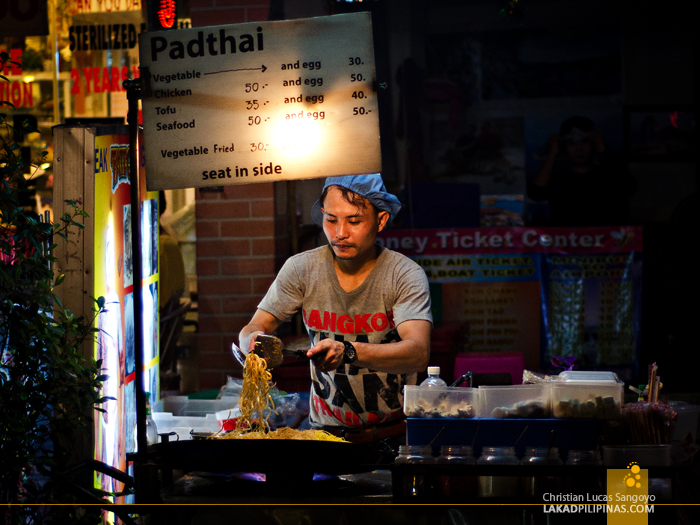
<point x="48" y="388"/>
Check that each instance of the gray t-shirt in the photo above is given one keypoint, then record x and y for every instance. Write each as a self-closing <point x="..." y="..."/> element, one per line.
<point x="395" y="291"/>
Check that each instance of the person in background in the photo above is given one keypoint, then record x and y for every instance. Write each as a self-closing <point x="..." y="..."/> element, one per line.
<point x="366" y="309"/>
<point x="581" y="191"/>
<point x="172" y="266"/>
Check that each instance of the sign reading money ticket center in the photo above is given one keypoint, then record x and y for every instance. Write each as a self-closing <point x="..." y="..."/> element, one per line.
<point x="259" y="102"/>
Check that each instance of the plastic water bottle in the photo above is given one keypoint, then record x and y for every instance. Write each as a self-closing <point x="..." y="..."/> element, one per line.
<point x="151" y="429"/>
<point x="433" y="378"/>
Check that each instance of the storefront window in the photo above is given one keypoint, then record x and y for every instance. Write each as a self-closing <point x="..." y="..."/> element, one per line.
<point x="71" y="71"/>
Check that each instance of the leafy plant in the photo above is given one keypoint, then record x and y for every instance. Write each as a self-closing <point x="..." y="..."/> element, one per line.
<point x="48" y="388"/>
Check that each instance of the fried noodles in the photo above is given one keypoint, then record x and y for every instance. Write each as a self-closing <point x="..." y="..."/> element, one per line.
<point x="255" y="400"/>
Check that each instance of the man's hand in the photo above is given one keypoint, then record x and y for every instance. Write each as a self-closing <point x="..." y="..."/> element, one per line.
<point x="261" y="323"/>
<point x="247" y="341"/>
<point x="327" y="354"/>
<point x="408" y="355"/>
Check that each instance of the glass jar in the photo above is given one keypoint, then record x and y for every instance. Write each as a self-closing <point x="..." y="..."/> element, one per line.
<point x="415" y="483"/>
<point x="592" y="482"/>
<point x="584" y="457"/>
<point x="498" y="486"/>
<point x="415" y="454"/>
<point x="456" y="455"/>
<point x="537" y="486"/>
<point x="457" y="483"/>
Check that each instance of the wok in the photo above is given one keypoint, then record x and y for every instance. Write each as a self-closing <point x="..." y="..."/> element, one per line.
<point x="278" y="458"/>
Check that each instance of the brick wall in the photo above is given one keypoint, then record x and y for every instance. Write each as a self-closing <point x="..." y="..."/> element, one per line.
<point x="235" y="266"/>
<point x="235" y="236"/>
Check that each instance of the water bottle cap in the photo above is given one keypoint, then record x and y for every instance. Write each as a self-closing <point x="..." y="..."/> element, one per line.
<point x="433" y="370"/>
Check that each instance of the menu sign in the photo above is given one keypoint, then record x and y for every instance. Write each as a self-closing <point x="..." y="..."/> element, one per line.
<point x="260" y="102"/>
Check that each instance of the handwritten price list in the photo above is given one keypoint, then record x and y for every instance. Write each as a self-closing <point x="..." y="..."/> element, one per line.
<point x="260" y="102"/>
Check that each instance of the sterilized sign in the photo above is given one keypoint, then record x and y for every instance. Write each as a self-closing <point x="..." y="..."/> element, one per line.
<point x="260" y="102"/>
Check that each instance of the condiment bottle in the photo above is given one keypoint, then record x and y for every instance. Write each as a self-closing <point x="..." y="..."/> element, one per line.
<point x="456" y="482"/>
<point x="151" y="429"/>
<point x="498" y="486"/>
<point x="433" y="378"/>
<point x="584" y="457"/>
<point x="415" y="482"/>
<point x="536" y="486"/>
<point x="456" y="455"/>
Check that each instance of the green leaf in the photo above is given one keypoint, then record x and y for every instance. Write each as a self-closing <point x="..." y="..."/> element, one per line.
<point x="60" y="279"/>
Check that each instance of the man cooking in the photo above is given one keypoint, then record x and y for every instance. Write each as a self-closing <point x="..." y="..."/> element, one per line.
<point x="366" y="309"/>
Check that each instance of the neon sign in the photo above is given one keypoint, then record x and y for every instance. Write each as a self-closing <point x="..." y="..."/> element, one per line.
<point x="166" y="13"/>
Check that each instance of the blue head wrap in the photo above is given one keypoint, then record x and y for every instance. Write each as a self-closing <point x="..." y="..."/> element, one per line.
<point x="371" y="187"/>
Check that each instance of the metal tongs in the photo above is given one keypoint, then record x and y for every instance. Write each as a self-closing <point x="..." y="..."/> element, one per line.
<point x="271" y="349"/>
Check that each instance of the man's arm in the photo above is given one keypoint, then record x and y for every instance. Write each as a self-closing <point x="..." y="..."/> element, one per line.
<point x="262" y="323"/>
<point x="409" y="355"/>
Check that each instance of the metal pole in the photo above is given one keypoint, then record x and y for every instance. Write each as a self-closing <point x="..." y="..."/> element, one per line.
<point x="53" y="37"/>
<point x="145" y="474"/>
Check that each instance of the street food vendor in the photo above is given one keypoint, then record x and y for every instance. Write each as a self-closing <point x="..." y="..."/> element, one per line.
<point x="366" y="309"/>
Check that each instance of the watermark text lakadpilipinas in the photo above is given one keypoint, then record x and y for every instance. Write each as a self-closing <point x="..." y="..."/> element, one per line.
<point x="626" y="502"/>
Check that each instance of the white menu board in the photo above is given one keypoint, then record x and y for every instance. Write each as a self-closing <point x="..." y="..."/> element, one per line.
<point x="259" y="102"/>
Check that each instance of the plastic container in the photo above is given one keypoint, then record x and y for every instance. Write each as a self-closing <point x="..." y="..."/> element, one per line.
<point x="569" y="376"/>
<point x="433" y="379"/>
<point x="587" y="399"/>
<point x="645" y="455"/>
<point x="184" y="406"/>
<point x="535" y="486"/>
<point x="184" y="425"/>
<point x="458" y="484"/>
<point x="515" y="401"/>
<point x="439" y="402"/>
<point x="498" y="486"/>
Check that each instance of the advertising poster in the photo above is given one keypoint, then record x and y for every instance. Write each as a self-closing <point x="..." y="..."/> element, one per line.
<point x="544" y="292"/>
<point x="115" y="345"/>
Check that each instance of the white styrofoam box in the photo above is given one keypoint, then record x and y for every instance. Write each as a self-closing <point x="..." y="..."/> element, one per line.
<point x="167" y="422"/>
<point x="184" y="406"/>
<point x="587" y="399"/>
<point x="454" y="402"/>
<point x="515" y="401"/>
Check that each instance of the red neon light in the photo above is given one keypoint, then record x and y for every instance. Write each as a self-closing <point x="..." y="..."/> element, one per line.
<point x="674" y="119"/>
<point x="166" y="13"/>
